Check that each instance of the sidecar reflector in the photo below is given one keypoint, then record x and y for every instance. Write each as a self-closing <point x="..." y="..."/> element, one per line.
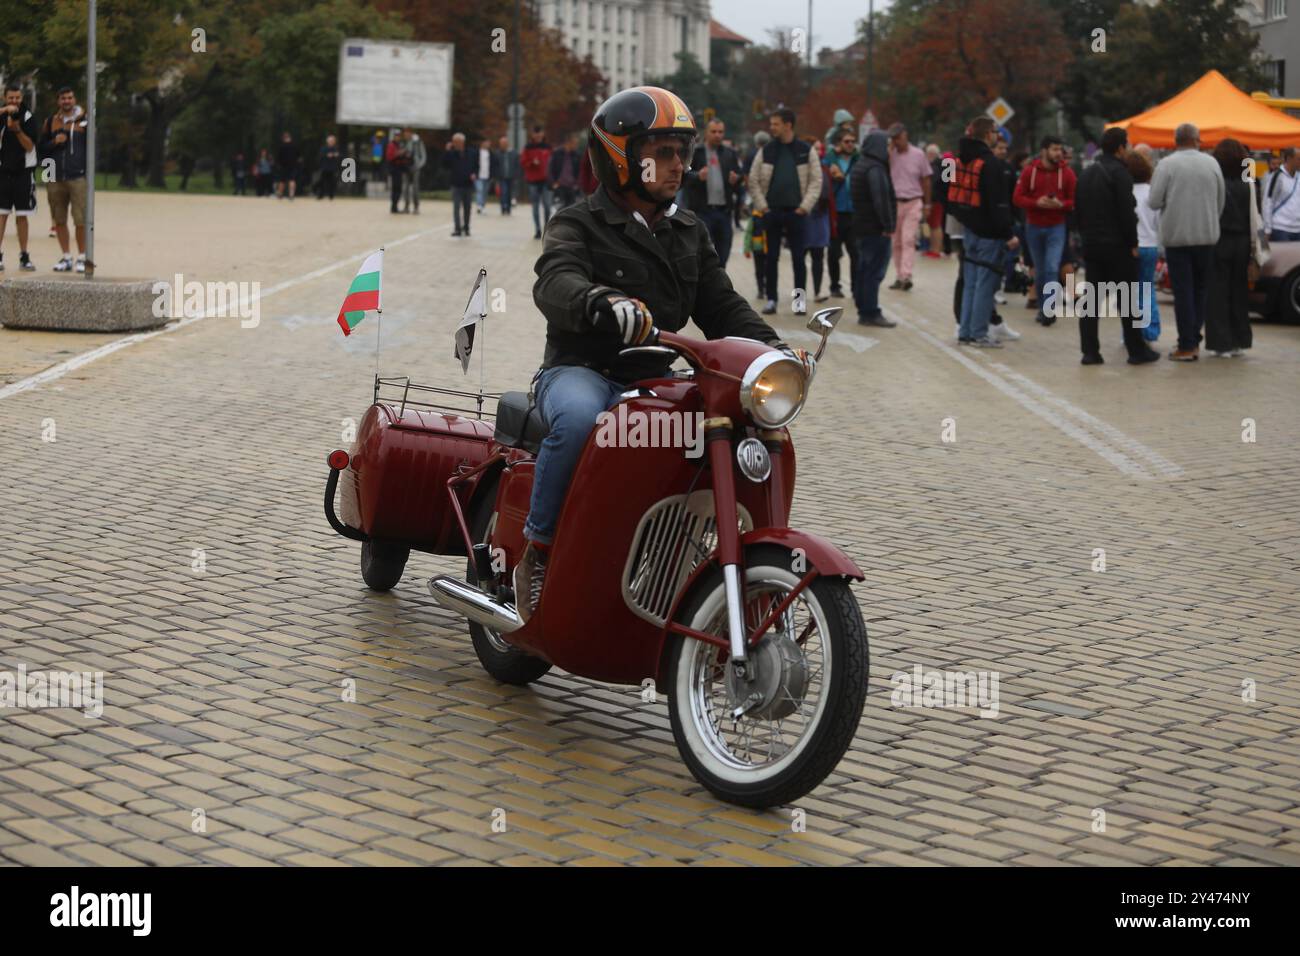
<point x="338" y="459"/>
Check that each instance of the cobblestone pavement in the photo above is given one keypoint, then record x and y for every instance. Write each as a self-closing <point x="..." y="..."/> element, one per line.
<point x="171" y="537"/>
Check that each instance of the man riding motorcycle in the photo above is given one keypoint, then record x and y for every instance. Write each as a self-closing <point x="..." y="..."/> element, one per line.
<point x="616" y="265"/>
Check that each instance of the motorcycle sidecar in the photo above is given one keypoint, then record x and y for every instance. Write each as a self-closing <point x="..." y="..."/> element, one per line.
<point x="391" y="488"/>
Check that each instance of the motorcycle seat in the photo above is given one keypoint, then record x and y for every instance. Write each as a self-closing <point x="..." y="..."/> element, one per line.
<point x="520" y="423"/>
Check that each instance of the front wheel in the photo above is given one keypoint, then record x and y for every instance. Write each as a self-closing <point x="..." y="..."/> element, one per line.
<point x="804" y="703"/>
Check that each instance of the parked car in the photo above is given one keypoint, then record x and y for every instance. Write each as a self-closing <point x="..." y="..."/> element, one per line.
<point x="1276" y="294"/>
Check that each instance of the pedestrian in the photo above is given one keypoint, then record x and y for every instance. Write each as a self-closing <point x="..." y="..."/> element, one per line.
<point x="911" y="174"/>
<point x="1189" y="192"/>
<point x="262" y="173"/>
<point x="505" y="172"/>
<point x="820" y="226"/>
<point x="712" y="180"/>
<point x="1281" y="199"/>
<point x="563" y="172"/>
<point x="761" y="139"/>
<point x="536" y="162"/>
<point x="1107" y="219"/>
<point x="239" y="173"/>
<point x="287" y="161"/>
<point x="462" y="169"/>
<point x="839" y="165"/>
<point x="331" y="157"/>
<point x="18" y="135"/>
<point x="875" y="217"/>
<point x="938" y="244"/>
<point x="484" y="175"/>
<point x="419" y="158"/>
<point x="999" y="329"/>
<point x="1045" y="191"/>
<point x="979" y="199"/>
<point x="1139" y="167"/>
<point x="784" y="192"/>
<point x="843" y="123"/>
<point x="397" y="159"/>
<point x="63" y="140"/>
<point x="1227" y="317"/>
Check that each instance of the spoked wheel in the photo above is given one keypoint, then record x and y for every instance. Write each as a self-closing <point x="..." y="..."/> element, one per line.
<point x="499" y="658"/>
<point x="382" y="564"/>
<point x="805" y="701"/>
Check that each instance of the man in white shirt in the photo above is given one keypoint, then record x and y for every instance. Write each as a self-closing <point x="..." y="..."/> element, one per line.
<point x="1282" y="199"/>
<point x="484" y="173"/>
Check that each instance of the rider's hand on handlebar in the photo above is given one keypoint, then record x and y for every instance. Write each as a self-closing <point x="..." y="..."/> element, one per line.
<point x="625" y="317"/>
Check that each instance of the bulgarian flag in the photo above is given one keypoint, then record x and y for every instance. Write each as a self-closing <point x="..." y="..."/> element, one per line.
<point x="363" y="294"/>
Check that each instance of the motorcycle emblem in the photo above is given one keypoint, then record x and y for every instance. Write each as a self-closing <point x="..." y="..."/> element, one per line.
<point x="755" y="463"/>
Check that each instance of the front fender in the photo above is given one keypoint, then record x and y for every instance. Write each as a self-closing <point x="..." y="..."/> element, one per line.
<point x="820" y="553"/>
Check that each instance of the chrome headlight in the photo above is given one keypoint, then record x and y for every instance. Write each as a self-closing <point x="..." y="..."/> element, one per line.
<point x="773" y="389"/>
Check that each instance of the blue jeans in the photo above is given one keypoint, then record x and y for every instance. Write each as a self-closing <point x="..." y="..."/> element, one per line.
<point x="569" y="398"/>
<point x="778" y="224"/>
<point x="979" y="283"/>
<point x="1281" y="235"/>
<point x="506" y="186"/>
<point x="1046" y="245"/>
<point x="1189" y="274"/>
<point x="539" y="194"/>
<point x="480" y="192"/>
<point x="1150" y="324"/>
<point x="717" y="220"/>
<point x="873" y="262"/>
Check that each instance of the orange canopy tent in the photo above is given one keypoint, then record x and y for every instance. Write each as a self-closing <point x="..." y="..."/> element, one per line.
<point x="1220" y="111"/>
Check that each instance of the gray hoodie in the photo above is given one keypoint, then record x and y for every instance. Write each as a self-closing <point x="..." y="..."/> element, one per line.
<point x="1188" y="191"/>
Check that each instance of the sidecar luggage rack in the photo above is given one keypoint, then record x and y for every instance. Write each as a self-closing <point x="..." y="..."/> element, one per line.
<point x="400" y="390"/>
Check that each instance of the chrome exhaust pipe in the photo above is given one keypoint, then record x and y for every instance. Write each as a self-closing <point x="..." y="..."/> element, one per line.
<point x="469" y="601"/>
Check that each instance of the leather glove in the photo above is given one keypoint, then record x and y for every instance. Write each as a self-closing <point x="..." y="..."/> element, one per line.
<point x="804" y="358"/>
<point x="625" y="317"/>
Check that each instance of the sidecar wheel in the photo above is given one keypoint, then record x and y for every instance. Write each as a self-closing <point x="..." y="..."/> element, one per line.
<point x="812" y="669"/>
<point x="500" y="659"/>
<point x="382" y="564"/>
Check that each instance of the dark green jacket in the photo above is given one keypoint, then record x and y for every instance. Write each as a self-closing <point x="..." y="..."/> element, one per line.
<point x="596" y="247"/>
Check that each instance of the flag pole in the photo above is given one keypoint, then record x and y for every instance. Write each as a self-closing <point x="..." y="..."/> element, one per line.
<point x="482" y="313"/>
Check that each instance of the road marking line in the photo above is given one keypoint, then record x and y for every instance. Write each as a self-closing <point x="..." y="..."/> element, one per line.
<point x="77" y="361"/>
<point x="1116" y="458"/>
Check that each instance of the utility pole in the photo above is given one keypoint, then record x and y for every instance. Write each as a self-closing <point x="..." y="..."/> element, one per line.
<point x="90" y="144"/>
<point x="516" y="134"/>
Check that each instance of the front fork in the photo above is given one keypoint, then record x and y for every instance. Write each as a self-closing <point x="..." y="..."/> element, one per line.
<point x="717" y="435"/>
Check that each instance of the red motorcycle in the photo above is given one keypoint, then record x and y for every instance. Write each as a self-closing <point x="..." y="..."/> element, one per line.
<point x="700" y="589"/>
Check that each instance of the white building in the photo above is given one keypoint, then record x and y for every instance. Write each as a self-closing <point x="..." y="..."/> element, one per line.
<point x="631" y="40"/>
<point x="1279" y="41"/>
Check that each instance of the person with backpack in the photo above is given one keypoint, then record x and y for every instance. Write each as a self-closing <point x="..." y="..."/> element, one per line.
<point x="980" y="202"/>
<point x="839" y="165"/>
<point x="1281" y="199"/>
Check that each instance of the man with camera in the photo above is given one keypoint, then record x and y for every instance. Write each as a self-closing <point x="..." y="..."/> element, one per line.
<point x="63" y="139"/>
<point x="17" y="169"/>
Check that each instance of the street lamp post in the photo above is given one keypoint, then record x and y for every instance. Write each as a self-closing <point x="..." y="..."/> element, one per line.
<point x="871" y="42"/>
<point x="90" y="144"/>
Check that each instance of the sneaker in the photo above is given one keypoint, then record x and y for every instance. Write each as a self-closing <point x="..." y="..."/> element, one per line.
<point x="907" y="285"/>
<point x="81" y="263"/>
<point x="64" y="264"/>
<point x="1238" y="353"/>
<point x="770" y="308"/>
<point x="897" y="284"/>
<point x="820" y="298"/>
<point x="999" y="298"/>
<point x="1221" y="354"/>
<point x="985" y="343"/>
<point x="1092" y="360"/>
<point x="932" y="255"/>
<point x="1008" y="334"/>
<point x="1150" y="355"/>
<point x="25" y="263"/>
<point x="1183" y="355"/>
<point x="878" y="321"/>
<point x="962" y="341"/>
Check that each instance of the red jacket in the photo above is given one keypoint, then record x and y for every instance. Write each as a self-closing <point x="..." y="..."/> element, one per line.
<point x="535" y="161"/>
<point x="1037" y="180"/>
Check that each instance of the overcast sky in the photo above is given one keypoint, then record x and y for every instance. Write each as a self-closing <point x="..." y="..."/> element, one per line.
<point x="834" y="21"/>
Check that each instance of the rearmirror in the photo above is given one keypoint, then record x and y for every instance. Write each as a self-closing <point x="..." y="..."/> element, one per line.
<point x="823" y="323"/>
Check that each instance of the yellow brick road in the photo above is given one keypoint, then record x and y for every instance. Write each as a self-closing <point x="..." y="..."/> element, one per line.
<point x="171" y="537"/>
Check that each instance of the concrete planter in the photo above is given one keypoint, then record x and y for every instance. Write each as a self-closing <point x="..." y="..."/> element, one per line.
<point x="74" y="303"/>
